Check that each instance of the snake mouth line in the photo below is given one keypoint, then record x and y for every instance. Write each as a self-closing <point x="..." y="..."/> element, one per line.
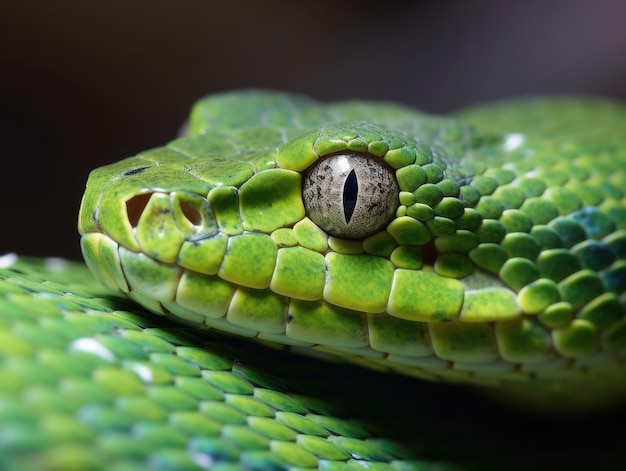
<point x="429" y="367"/>
<point x="434" y="362"/>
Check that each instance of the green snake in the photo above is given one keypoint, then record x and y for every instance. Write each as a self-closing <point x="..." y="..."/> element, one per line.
<point x="486" y="249"/>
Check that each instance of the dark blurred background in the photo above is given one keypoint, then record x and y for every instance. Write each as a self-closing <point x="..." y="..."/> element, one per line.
<point x="87" y="83"/>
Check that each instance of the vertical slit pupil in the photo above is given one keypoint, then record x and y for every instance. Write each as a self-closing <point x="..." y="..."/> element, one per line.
<point x="350" y="193"/>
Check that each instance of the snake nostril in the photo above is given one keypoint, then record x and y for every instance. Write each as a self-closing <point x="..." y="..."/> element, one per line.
<point x="191" y="213"/>
<point x="135" y="207"/>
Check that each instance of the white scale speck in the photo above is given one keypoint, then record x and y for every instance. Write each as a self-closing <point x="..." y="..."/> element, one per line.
<point x="94" y="347"/>
<point x="513" y="141"/>
<point x="143" y="372"/>
<point x="56" y="263"/>
<point x="7" y="260"/>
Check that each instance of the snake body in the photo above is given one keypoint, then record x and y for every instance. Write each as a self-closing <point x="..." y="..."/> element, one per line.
<point x="486" y="249"/>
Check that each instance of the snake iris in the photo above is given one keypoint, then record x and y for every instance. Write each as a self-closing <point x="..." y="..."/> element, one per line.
<point x="487" y="249"/>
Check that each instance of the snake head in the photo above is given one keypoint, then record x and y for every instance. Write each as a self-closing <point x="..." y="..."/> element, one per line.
<point x="418" y="242"/>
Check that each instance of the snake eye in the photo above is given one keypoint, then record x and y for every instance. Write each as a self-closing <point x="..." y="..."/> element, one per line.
<point x="350" y="196"/>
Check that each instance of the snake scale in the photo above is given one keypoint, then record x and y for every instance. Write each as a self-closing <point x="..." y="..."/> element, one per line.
<point x="486" y="249"/>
